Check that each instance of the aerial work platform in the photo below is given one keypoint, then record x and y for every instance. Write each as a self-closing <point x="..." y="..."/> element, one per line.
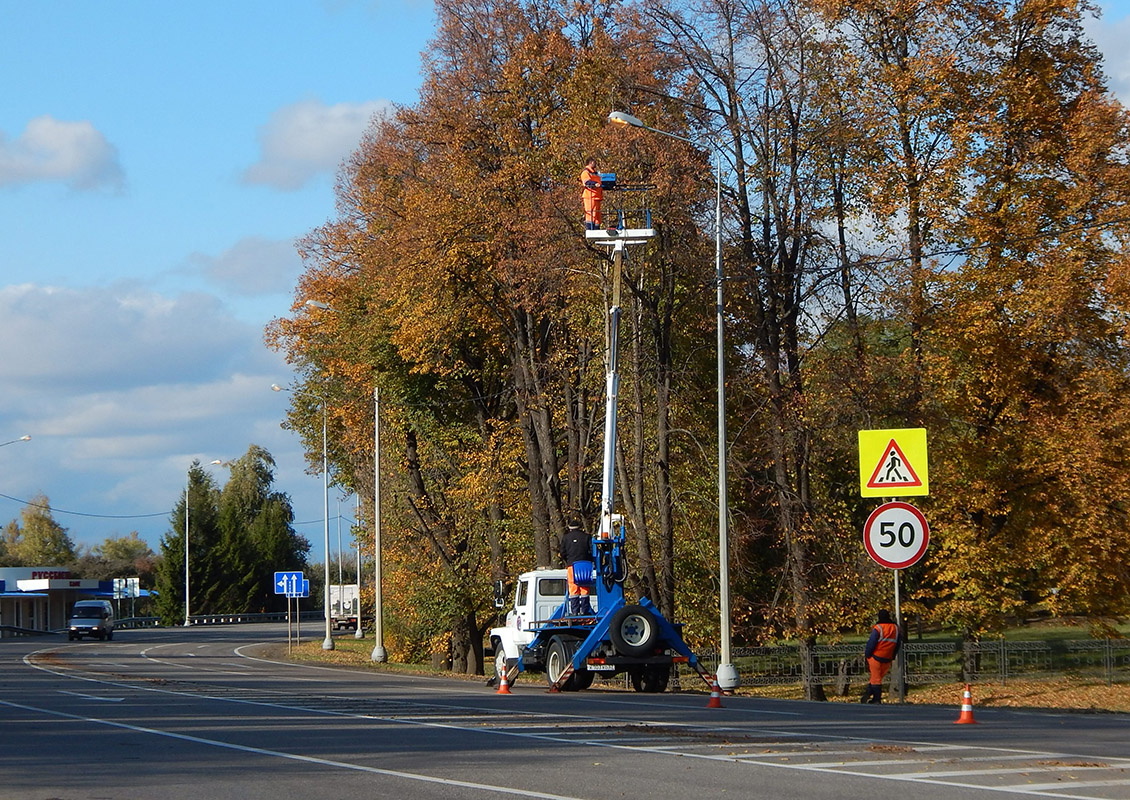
<point x="632" y="216"/>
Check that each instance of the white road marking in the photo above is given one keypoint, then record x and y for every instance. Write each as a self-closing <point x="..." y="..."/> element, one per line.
<point x="412" y="776"/>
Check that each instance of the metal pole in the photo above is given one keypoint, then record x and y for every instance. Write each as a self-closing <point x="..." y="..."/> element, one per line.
<point x="728" y="677"/>
<point x="328" y="643"/>
<point x="900" y="660"/>
<point x="379" y="655"/>
<point x="187" y="482"/>
<point x="360" y="632"/>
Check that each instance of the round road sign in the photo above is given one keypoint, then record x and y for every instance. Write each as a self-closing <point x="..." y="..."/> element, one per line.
<point x="896" y="535"/>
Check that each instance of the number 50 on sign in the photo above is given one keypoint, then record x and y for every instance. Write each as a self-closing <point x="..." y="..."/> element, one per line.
<point x="896" y="535"/>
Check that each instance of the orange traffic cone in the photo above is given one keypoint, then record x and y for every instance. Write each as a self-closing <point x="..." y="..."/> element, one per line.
<point x="715" y="695"/>
<point x="966" y="717"/>
<point x="503" y="684"/>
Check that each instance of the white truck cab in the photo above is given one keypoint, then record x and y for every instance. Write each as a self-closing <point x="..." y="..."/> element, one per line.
<point x="537" y="596"/>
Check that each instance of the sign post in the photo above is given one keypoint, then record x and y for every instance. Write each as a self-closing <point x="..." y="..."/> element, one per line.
<point x="291" y="584"/>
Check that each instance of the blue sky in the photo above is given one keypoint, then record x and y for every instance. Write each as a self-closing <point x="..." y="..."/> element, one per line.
<point x="157" y="162"/>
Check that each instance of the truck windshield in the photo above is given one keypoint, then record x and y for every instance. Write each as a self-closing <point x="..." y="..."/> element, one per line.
<point x="86" y="612"/>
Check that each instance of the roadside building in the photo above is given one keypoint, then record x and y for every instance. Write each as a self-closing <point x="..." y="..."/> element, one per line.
<point x="39" y="598"/>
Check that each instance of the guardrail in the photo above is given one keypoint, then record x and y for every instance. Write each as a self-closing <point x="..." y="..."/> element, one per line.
<point x="241" y="619"/>
<point x="12" y="631"/>
<point x="938" y="662"/>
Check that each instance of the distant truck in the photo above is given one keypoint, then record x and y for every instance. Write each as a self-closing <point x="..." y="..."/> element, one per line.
<point x="345" y="606"/>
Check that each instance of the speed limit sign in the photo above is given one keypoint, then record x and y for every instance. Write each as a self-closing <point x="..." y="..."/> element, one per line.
<point x="896" y="535"/>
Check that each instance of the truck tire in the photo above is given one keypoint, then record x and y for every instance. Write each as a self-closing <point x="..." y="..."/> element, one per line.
<point x="651" y="679"/>
<point x="633" y="631"/>
<point x="499" y="662"/>
<point x="557" y="660"/>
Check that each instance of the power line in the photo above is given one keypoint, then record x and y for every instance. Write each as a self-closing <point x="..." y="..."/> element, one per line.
<point x="55" y="510"/>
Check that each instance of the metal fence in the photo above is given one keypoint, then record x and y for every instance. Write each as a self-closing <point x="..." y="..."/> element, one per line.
<point x="938" y="662"/>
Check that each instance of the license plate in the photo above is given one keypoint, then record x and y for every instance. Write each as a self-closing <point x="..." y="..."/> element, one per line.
<point x="600" y="667"/>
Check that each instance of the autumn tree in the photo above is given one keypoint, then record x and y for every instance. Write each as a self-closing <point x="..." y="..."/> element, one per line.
<point x="127" y="556"/>
<point x="1028" y="369"/>
<point x="36" y="539"/>
<point x="460" y="272"/>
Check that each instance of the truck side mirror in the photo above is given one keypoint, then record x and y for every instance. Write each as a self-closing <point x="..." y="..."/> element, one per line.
<point x="500" y="594"/>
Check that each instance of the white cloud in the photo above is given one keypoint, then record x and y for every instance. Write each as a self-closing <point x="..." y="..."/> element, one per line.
<point x="1111" y="33"/>
<point x="253" y="266"/>
<point x="309" y="138"/>
<point x="111" y="338"/>
<point x="120" y="389"/>
<point x="75" y="153"/>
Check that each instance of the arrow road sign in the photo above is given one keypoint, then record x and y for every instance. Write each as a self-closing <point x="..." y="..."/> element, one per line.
<point x="896" y="535"/>
<point x="288" y="583"/>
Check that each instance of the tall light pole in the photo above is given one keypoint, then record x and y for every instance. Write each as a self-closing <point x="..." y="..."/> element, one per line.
<point x="187" y="487"/>
<point x="379" y="655"/>
<point x="328" y="642"/>
<point x="728" y="677"/>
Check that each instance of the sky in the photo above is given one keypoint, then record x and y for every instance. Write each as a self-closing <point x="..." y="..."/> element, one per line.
<point x="158" y="161"/>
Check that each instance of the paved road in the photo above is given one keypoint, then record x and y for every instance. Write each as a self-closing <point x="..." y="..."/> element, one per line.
<point x="198" y="714"/>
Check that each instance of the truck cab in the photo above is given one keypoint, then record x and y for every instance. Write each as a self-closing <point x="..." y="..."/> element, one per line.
<point x="537" y="598"/>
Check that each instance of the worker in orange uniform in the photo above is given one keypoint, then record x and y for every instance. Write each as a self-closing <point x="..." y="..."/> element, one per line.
<point x="882" y="647"/>
<point x="576" y="546"/>
<point x="591" y="194"/>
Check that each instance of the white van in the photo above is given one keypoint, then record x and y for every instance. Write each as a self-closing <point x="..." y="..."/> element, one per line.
<point x="91" y="618"/>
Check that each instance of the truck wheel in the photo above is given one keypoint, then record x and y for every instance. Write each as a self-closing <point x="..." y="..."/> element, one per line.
<point x="651" y="679"/>
<point x="633" y="631"/>
<point x="499" y="663"/>
<point x="557" y="661"/>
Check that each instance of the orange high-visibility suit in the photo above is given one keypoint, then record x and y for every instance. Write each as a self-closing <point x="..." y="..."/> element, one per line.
<point x="882" y="647"/>
<point x="591" y="194"/>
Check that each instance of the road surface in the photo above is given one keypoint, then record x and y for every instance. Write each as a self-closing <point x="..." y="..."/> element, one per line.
<point x="200" y="713"/>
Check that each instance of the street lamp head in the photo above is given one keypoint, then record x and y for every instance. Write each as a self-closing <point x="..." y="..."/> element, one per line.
<point x="622" y="118"/>
<point x="25" y="438"/>
<point x="276" y="388"/>
<point x="319" y="304"/>
<point x="216" y="462"/>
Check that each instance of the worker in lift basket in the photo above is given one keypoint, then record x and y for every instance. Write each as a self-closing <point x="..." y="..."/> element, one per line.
<point x="882" y="647"/>
<point x="576" y="545"/>
<point x="591" y="194"/>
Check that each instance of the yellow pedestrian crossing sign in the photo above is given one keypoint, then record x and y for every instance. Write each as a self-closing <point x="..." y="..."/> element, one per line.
<point x="892" y="463"/>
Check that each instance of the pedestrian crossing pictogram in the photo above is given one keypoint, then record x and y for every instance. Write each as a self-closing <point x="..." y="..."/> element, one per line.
<point x="894" y="470"/>
<point x="892" y="463"/>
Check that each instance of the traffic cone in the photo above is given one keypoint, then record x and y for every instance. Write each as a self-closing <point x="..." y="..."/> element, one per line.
<point x="715" y="695"/>
<point x="966" y="717"/>
<point x="504" y="684"/>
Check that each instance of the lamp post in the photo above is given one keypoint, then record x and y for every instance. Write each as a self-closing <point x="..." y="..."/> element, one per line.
<point x="187" y="487"/>
<point x="13" y="441"/>
<point x="728" y="677"/>
<point x="379" y="655"/>
<point x="328" y="642"/>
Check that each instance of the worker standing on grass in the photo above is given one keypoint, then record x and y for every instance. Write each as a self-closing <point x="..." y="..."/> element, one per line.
<point x="591" y="194"/>
<point x="576" y="546"/>
<point x="882" y="647"/>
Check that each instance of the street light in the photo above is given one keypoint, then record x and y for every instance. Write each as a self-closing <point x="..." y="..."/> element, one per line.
<point x="728" y="677"/>
<point x="187" y="484"/>
<point x="328" y="642"/>
<point x="379" y="655"/>
<point x="13" y="441"/>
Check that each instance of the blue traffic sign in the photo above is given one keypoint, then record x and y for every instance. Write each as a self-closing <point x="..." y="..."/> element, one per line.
<point x="305" y="588"/>
<point x="290" y="583"/>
